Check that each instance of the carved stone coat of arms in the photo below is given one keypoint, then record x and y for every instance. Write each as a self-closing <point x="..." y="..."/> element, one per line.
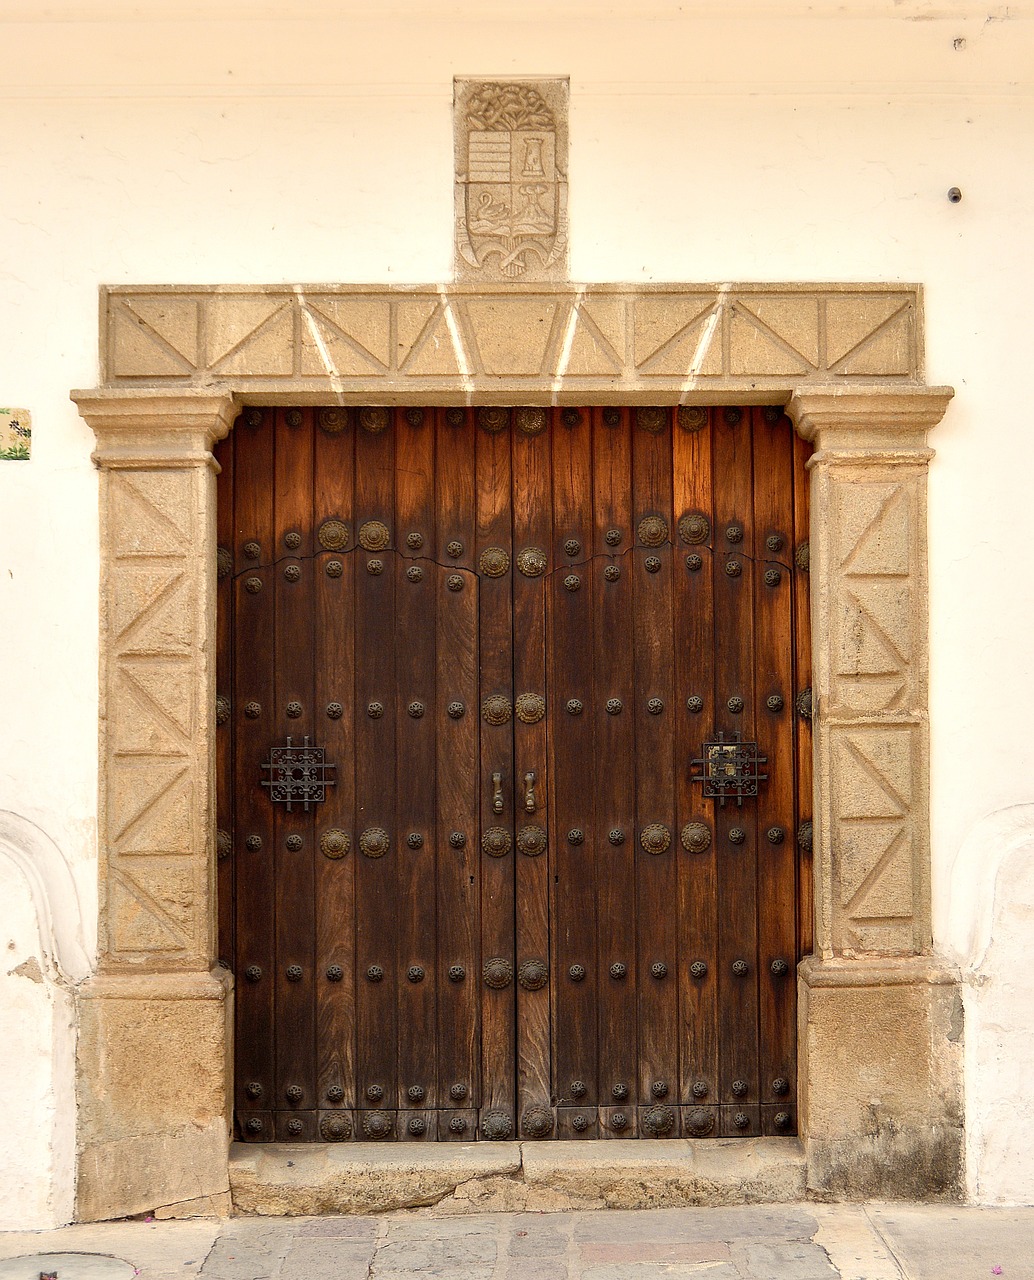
<point x="511" y="180"/>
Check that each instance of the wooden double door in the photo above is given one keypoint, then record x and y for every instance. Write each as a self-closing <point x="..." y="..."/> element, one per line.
<point x="513" y="771"/>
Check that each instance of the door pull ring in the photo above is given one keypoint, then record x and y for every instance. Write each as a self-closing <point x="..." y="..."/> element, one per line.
<point x="497" y="796"/>
<point x="529" y="793"/>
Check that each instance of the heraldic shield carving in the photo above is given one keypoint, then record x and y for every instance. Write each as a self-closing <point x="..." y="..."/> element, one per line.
<point x="511" y="180"/>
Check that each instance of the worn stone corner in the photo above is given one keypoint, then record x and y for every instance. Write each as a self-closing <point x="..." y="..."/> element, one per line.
<point x="884" y="1083"/>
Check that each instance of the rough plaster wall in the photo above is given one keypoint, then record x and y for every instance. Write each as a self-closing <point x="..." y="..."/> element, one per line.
<point x="701" y="149"/>
<point x="36" y="1021"/>
<point x="1000" y="1061"/>
<point x="988" y="933"/>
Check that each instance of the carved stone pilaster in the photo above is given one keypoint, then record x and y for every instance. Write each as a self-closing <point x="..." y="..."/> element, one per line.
<point x="157" y="675"/>
<point x="154" y="1046"/>
<point x="869" y="680"/>
<point x="879" y="1072"/>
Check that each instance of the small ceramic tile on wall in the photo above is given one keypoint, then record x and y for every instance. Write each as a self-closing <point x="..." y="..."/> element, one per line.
<point x="15" y="435"/>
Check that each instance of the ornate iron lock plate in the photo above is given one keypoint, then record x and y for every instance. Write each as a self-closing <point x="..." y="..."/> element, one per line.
<point x="729" y="770"/>
<point x="298" y="775"/>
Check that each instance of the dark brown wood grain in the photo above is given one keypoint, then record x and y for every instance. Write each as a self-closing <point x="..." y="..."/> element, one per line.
<point x="614" y="774"/>
<point x="802" y="679"/>
<point x="572" y="763"/>
<point x="773" y="621"/>
<point x="532" y="526"/>
<point x="493" y="529"/>
<point x="255" y="966"/>
<point x="694" y="680"/>
<point x="416" y="678"/>
<point x="376" y="687"/>
<point x="334" y="718"/>
<point x="224" y="737"/>
<point x="651" y="567"/>
<point x="458" y="770"/>
<point x="391" y="654"/>
<point x="293" y="684"/>
<point x="734" y="678"/>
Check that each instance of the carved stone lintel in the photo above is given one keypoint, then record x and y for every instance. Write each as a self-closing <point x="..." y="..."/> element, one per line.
<point x="518" y="344"/>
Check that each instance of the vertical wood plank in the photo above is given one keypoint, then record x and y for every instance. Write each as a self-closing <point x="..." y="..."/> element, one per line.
<point x="654" y="714"/>
<point x="569" y="542"/>
<point x="417" y="721"/>
<point x="223" y="454"/>
<point x="494" y="530"/>
<point x="777" y="889"/>
<point x="293" y="717"/>
<point x="375" y="700"/>
<point x="734" y="679"/>
<point x="458" y="772"/>
<point x="254" y="598"/>
<point x="333" y="587"/>
<point x="532" y="526"/>
<point x="695" y="716"/>
<point x="614" y="777"/>
<point x="802" y="451"/>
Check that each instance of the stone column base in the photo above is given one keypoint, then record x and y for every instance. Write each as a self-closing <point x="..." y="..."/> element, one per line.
<point x="880" y="1044"/>
<point x="153" y="1069"/>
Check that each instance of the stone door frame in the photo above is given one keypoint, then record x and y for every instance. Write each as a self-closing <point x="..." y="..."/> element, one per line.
<point x="879" y="1052"/>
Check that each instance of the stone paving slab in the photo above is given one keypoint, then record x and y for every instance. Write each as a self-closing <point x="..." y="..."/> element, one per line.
<point x="85" y="1266"/>
<point x="772" y="1242"/>
<point x="969" y="1241"/>
<point x="158" y="1249"/>
<point x="687" y="1225"/>
<point x="649" y="1251"/>
<point x="776" y="1261"/>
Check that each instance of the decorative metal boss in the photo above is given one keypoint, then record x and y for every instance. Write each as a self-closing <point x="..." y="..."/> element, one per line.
<point x="298" y="775"/>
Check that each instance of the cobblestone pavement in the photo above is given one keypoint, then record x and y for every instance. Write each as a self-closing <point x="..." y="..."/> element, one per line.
<point x="772" y="1242"/>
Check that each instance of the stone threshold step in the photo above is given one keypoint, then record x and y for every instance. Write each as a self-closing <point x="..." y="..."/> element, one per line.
<point x="503" y="1177"/>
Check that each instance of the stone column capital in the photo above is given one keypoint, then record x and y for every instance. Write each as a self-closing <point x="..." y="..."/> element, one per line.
<point x="154" y="427"/>
<point x="846" y="422"/>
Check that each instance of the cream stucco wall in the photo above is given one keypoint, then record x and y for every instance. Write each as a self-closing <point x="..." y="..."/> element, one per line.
<point x="764" y="141"/>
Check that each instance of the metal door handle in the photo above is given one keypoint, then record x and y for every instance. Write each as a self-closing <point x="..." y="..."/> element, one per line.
<point x="497" y="796"/>
<point x="529" y="793"/>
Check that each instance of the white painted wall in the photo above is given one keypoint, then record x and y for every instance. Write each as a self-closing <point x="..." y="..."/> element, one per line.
<point x="988" y="932"/>
<point x="709" y="142"/>
<point x="41" y="958"/>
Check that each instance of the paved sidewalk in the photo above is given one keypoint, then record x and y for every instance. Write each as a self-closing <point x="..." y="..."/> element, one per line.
<point x="773" y="1242"/>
